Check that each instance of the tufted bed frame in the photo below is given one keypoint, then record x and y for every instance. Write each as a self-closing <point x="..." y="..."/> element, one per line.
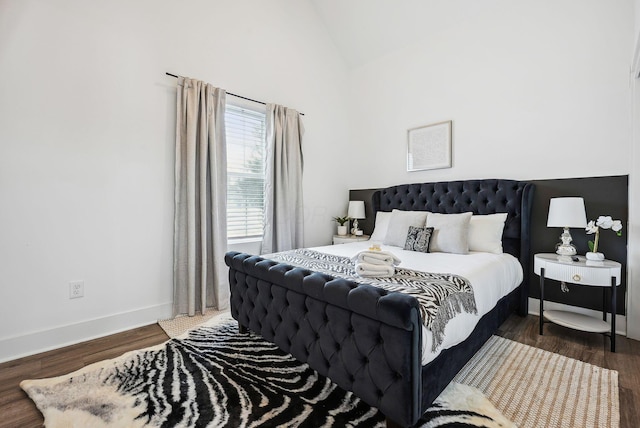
<point x="363" y="338"/>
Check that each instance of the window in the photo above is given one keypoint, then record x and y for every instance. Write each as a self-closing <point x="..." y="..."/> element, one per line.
<point x="246" y="142"/>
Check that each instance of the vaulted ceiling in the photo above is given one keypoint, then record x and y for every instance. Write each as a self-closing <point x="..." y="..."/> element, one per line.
<point x="364" y="30"/>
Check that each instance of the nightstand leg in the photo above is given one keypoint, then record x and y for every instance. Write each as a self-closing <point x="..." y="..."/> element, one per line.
<point x="604" y="303"/>
<point x="613" y="314"/>
<point x="541" y="299"/>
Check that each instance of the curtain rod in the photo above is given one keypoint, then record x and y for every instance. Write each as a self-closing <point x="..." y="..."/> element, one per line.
<point x="235" y="95"/>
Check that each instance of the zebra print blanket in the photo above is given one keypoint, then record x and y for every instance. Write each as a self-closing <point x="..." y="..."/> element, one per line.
<point x="441" y="295"/>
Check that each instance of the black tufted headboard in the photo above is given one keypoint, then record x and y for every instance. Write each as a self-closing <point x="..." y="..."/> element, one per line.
<point x="488" y="196"/>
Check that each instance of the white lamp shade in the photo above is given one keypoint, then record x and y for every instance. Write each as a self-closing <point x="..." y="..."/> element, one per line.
<point x="356" y="209"/>
<point x="567" y="212"/>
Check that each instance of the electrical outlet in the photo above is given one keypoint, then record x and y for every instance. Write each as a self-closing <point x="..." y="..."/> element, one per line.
<point x="76" y="289"/>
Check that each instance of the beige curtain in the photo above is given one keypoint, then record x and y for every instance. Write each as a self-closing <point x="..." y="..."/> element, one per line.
<point x="284" y="216"/>
<point x="200" y="229"/>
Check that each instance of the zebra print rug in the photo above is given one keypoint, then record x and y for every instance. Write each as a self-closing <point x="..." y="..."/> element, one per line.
<point x="215" y="377"/>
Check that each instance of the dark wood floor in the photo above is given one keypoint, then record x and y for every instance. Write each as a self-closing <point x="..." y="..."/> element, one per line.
<point x="17" y="410"/>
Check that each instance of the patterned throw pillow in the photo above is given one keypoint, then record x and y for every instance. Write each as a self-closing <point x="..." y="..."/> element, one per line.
<point x="418" y="239"/>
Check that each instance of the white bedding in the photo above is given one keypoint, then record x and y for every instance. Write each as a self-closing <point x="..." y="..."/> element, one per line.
<point x="492" y="277"/>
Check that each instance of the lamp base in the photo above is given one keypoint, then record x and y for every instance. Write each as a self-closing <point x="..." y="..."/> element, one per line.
<point x="354" y="229"/>
<point x="566" y="250"/>
<point x="565" y="247"/>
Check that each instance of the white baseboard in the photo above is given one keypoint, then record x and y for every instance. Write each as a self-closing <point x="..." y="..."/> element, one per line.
<point x="58" y="337"/>
<point x="534" y="309"/>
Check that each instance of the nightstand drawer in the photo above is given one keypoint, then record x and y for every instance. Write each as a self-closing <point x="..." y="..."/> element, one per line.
<point x="582" y="272"/>
<point x="577" y="274"/>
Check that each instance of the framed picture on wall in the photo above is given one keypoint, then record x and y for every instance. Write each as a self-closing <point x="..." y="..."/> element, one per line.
<point x="429" y="147"/>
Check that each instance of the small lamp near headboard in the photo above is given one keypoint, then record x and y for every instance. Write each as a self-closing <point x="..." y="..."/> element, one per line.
<point x="566" y="213"/>
<point x="356" y="211"/>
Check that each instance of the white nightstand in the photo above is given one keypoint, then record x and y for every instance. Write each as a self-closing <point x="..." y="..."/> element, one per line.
<point x="345" y="239"/>
<point x="605" y="274"/>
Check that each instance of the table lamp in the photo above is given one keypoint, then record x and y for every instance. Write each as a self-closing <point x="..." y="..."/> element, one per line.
<point x="566" y="213"/>
<point x="356" y="211"/>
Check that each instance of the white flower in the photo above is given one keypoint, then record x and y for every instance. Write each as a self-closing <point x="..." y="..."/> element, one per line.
<point x="591" y="227"/>
<point x="604" y="221"/>
<point x="617" y="226"/>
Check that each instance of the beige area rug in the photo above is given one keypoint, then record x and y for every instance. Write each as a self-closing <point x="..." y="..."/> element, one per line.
<point x="183" y="323"/>
<point x="536" y="388"/>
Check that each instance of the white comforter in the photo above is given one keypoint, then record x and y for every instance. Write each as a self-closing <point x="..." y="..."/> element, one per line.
<point x="492" y="277"/>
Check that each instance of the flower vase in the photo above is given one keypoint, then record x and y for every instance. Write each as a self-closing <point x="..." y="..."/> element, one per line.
<point x="342" y="230"/>
<point x="595" y="256"/>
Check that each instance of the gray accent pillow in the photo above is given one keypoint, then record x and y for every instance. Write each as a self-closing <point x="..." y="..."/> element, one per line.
<point x="450" y="232"/>
<point x="399" y="226"/>
<point x="418" y="239"/>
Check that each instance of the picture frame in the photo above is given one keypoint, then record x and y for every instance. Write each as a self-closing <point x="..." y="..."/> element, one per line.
<point x="429" y="147"/>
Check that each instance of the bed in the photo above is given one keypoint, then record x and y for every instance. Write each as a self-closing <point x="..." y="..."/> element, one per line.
<point x="369" y="340"/>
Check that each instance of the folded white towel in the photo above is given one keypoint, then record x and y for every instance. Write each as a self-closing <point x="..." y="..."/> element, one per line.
<point x="368" y="269"/>
<point x="376" y="258"/>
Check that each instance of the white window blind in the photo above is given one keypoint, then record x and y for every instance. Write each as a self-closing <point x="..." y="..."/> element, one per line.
<point x="245" y="171"/>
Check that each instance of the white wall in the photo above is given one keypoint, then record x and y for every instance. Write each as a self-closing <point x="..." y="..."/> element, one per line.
<point x="534" y="89"/>
<point x="633" y="300"/>
<point x="86" y="146"/>
<point x="633" y="318"/>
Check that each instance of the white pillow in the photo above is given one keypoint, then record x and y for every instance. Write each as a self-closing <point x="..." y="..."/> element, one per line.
<point x="450" y="233"/>
<point x="485" y="232"/>
<point x="382" y="225"/>
<point x="399" y="226"/>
